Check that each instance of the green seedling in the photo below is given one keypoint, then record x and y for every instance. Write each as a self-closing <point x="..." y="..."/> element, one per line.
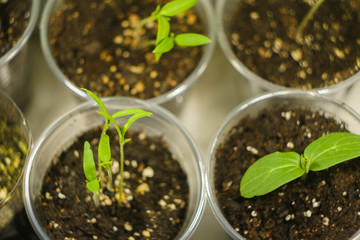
<point x="165" y="40"/>
<point x="278" y="168"/>
<point x="104" y="150"/>
<point x="308" y="17"/>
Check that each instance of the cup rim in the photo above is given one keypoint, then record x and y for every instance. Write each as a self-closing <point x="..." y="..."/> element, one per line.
<point x="34" y="13"/>
<point x="200" y="204"/>
<point x="29" y="143"/>
<point x="241" y="107"/>
<point x="166" y="97"/>
<point x="251" y="76"/>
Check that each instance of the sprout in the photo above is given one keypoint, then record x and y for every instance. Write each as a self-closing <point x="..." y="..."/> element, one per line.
<point x="165" y="40"/>
<point x="278" y="168"/>
<point x="307" y="18"/>
<point x="104" y="151"/>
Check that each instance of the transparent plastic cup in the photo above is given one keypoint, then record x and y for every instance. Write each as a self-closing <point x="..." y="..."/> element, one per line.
<point x="14" y="64"/>
<point x="13" y="203"/>
<point x="85" y="117"/>
<point x="225" y="9"/>
<point x="172" y="100"/>
<point x="252" y="107"/>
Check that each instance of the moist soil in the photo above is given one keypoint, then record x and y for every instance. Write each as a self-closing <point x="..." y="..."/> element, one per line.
<point x="155" y="187"/>
<point x="13" y="152"/>
<point x="95" y="46"/>
<point x="14" y="18"/>
<point x="263" y="38"/>
<point x="324" y="206"/>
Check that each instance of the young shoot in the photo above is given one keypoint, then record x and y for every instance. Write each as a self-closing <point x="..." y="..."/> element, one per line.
<point x="165" y="39"/>
<point x="278" y="168"/>
<point x="307" y="18"/>
<point x="104" y="150"/>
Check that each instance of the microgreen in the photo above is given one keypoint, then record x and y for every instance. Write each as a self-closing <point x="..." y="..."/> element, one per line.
<point x="308" y="17"/>
<point x="165" y="39"/>
<point x="104" y="150"/>
<point x="278" y="168"/>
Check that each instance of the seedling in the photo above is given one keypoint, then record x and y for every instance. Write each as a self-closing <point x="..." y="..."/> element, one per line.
<point x="308" y="17"/>
<point x="165" y="40"/>
<point x="104" y="151"/>
<point x="278" y="168"/>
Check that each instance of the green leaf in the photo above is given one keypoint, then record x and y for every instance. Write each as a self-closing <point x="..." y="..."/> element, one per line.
<point x="165" y="45"/>
<point x="163" y="29"/>
<point x="191" y="39"/>
<point x="163" y="32"/>
<point x="133" y="119"/>
<point x="270" y="172"/>
<point x="93" y="186"/>
<point x="127" y="112"/>
<point x="104" y="151"/>
<point x="177" y="6"/>
<point x="88" y="163"/>
<point x="332" y="149"/>
<point x="97" y="100"/>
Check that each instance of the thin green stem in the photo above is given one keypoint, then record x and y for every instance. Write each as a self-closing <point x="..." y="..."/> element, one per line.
<point x="121" y="170"/>
<point x="96" y="199"/>
<point x="307" y="18"/>
<point x="303" y="177"/>
<point x="110" y="186"/>
<point x="148" y="43"/>
<point x="141" y="25"/>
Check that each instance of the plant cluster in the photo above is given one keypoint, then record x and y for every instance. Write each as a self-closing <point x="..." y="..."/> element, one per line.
<point x="104" y="150"/>
<point x="278" y="168"/>
<point x="165" y="39"/>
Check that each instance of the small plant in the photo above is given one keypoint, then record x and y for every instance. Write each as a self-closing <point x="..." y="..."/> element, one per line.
<point x="165" y="40"/>
<point x="278" y="168"/>
<point x="308" y="17"/>
<point x="104" y="151"/>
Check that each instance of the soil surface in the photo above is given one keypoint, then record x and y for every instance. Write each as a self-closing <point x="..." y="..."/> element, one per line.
<point x="263" y="38"/>
<point x="156" y="193"/>
<point x="324" y="206"/>
<point x="96" y="47"/>
<point x="14" y="18"/>
<point x="13" y="150"/>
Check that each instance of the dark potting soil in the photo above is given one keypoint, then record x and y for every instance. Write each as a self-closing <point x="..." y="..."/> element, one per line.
<point x="324" y="206"/>
<point x="263" y="38"/>
<point x="14" y="18"/>
<point x="156" y="193"/>
<point x="95" y="46"/>
<point x="13" y="150"/>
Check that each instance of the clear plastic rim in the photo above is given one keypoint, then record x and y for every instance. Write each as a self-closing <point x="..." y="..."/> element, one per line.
<point x="186" y="84"/>
<point x="200" y="205"/>
<point x="208" y="165"/>
<point x="29" y="141"/>
<point x="34" y="13"/>
<point x="249" y="75"/>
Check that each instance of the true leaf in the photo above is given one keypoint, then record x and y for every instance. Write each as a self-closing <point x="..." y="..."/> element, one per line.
<point x="163" y="29"/>
<point x="88" y="163"/>
<point x="332" y="149"/>
<point x="270" y="172"/>
<point x="191" y="39"/>
<point x="97" y="100"/>
<point x="177" y="6"/>
<point x="104" y="151"/>
<point x="133" y="119"/>
<point x="163" y="32"/>
<point x="127" y="112"/>
<point x="165" y="45"/>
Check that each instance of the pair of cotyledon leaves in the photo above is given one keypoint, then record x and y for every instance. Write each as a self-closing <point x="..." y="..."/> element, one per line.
<point x="278" y="168"/>
<point x="165" y="40"/>
<point x="104" y="150"/>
